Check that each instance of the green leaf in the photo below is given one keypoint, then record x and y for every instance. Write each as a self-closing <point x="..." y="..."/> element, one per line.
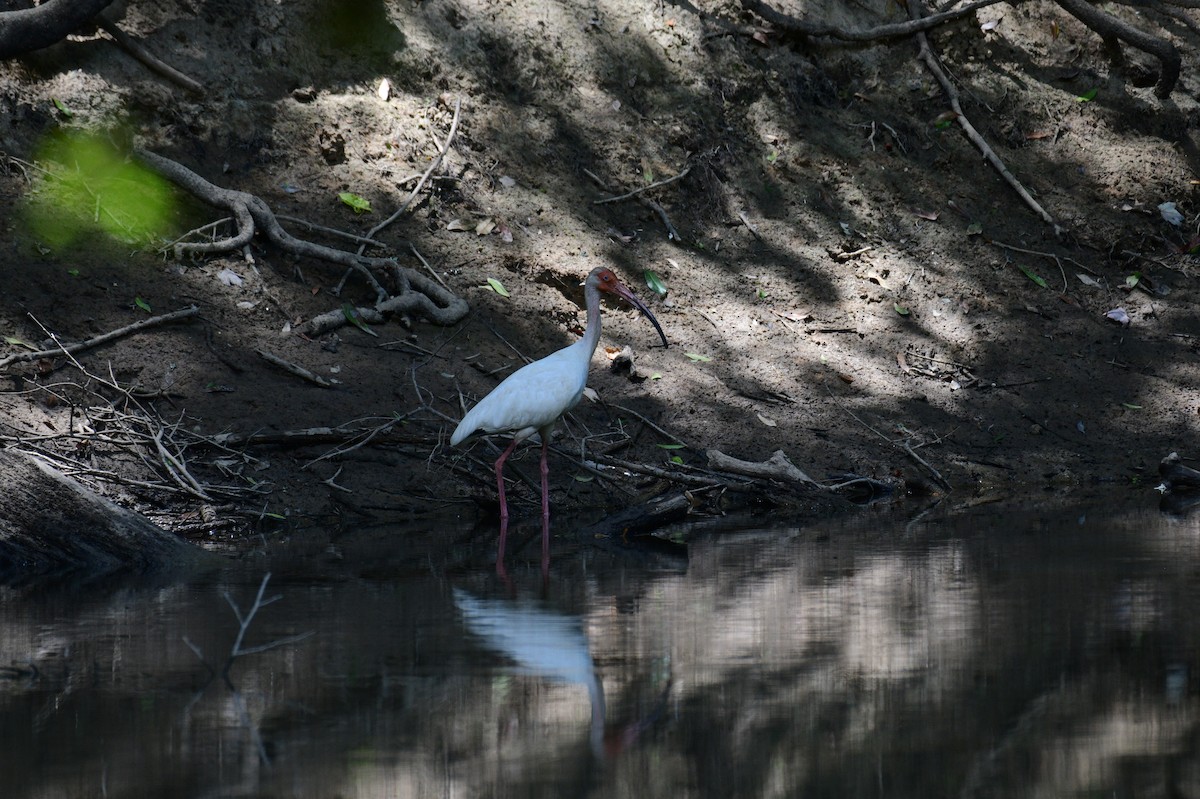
<point x="1087" y="96"/>
<point x="1131" y="406"/>
<point x="19" y="343"/>
<point x="62" y="108"/>
<point x="654" y="282"/>
<point x="353" y="317"/>
<point x="1133" y="280"/>
<point x="772" y="157"/>
<point x="498" y="287"/>
<point x="656" y="376"/>
<point x="1029" y="273"/>
<point x="73" y="272"/>
<point x="900" y="309"/>
<point x="278" y="516"/>
<point x="360" y="205"/>
<point x="975" y="229"/>
<point x="583" y="478"/>
<point x="943" y="124"/>
<point x="669" y="446"/>
<point x="695" y="356"/>
<point x="677" y="459"/>
<point x="139" y="302"/>
<point x="762" y="295"/>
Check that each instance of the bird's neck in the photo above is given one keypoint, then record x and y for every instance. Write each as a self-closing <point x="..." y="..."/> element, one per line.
<point x="591" y="335"/>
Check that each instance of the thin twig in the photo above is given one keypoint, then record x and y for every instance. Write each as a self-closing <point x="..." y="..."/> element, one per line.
<point x="428" y="268"/>
<point x="299" y="371"/>
<point x="638" y="191"/>
<point x="437" y="162"/>
<point x="103" y="338"/>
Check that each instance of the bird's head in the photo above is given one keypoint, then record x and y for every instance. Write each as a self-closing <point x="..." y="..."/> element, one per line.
<point x="603" y="279"/>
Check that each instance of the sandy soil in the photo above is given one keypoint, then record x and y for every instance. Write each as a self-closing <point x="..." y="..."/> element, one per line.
<point x="839" y="291"/>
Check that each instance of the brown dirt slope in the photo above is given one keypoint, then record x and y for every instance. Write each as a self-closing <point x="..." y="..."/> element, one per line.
<point x="839" y="290"/>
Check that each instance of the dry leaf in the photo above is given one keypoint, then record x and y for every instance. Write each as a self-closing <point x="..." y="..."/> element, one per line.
<point x="457" y="224"/>
<point x="485" y="227"/>
<point x="902" y="362"/>
<point x="845" y="378"/>
<point x="932" y="216"/>
<point x="1038" y="134"/>
<point x="765" y="420"/>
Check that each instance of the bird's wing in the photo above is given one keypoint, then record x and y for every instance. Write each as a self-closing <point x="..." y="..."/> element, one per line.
<point x="529" y="399"/>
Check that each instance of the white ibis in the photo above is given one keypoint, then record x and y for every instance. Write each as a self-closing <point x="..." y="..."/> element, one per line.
<point x="532" y="399"/>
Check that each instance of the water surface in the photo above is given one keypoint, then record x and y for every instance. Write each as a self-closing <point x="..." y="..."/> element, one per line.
<point x="993" y="651"/>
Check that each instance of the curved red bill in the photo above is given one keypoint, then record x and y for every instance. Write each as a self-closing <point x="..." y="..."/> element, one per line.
<point x="632" y="299"/>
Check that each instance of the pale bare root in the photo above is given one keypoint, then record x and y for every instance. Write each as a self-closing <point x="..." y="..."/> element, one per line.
<point x="416" y="294"/>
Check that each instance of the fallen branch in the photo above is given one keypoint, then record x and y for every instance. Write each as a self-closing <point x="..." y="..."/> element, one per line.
<point x="103" y="338"/>
<point x="135" y="49"/>
<point x="915" y="8"/>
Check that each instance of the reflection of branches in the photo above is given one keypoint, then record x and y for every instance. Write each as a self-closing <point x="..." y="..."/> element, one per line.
<point x="245" y="619"/>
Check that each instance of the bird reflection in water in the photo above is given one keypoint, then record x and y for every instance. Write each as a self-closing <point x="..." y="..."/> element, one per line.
<point x="547" y="643"/>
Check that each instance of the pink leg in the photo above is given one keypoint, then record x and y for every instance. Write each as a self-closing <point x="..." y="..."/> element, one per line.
<point x="545" y="508"/>
<point x="500" y="570"/>
<point x="500" y="479"/>
<point x="503" y="506"/>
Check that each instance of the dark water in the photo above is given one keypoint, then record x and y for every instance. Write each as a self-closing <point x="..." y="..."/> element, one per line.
<point x="997" y="651"/>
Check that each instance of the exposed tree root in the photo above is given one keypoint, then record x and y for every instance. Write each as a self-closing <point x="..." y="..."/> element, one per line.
<point x="416" y="293"/>
<point x="29" y="29"/>
<point x="1112" y="29"/>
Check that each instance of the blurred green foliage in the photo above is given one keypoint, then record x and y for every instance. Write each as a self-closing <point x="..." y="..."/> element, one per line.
<point x="88" y="186"/>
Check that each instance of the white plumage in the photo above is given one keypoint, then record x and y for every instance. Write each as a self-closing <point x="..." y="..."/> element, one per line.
<point x="532" y="399"/>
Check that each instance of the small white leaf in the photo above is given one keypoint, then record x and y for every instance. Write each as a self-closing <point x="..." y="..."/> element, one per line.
<point x="1170" y="214"/>
<point x="765" y="420"/>
<point x="591" y="394"/>
<point x="1088" y="280"/>
<point x="507" y="182"/>
<point x="384" y="90"/>
<point x="1119" y="316"/>
<point x="457" y="224"/>
<point x="229" y="277"/>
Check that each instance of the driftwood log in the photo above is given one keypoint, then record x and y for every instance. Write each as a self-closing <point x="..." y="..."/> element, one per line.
<point x="51" y="524"/>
